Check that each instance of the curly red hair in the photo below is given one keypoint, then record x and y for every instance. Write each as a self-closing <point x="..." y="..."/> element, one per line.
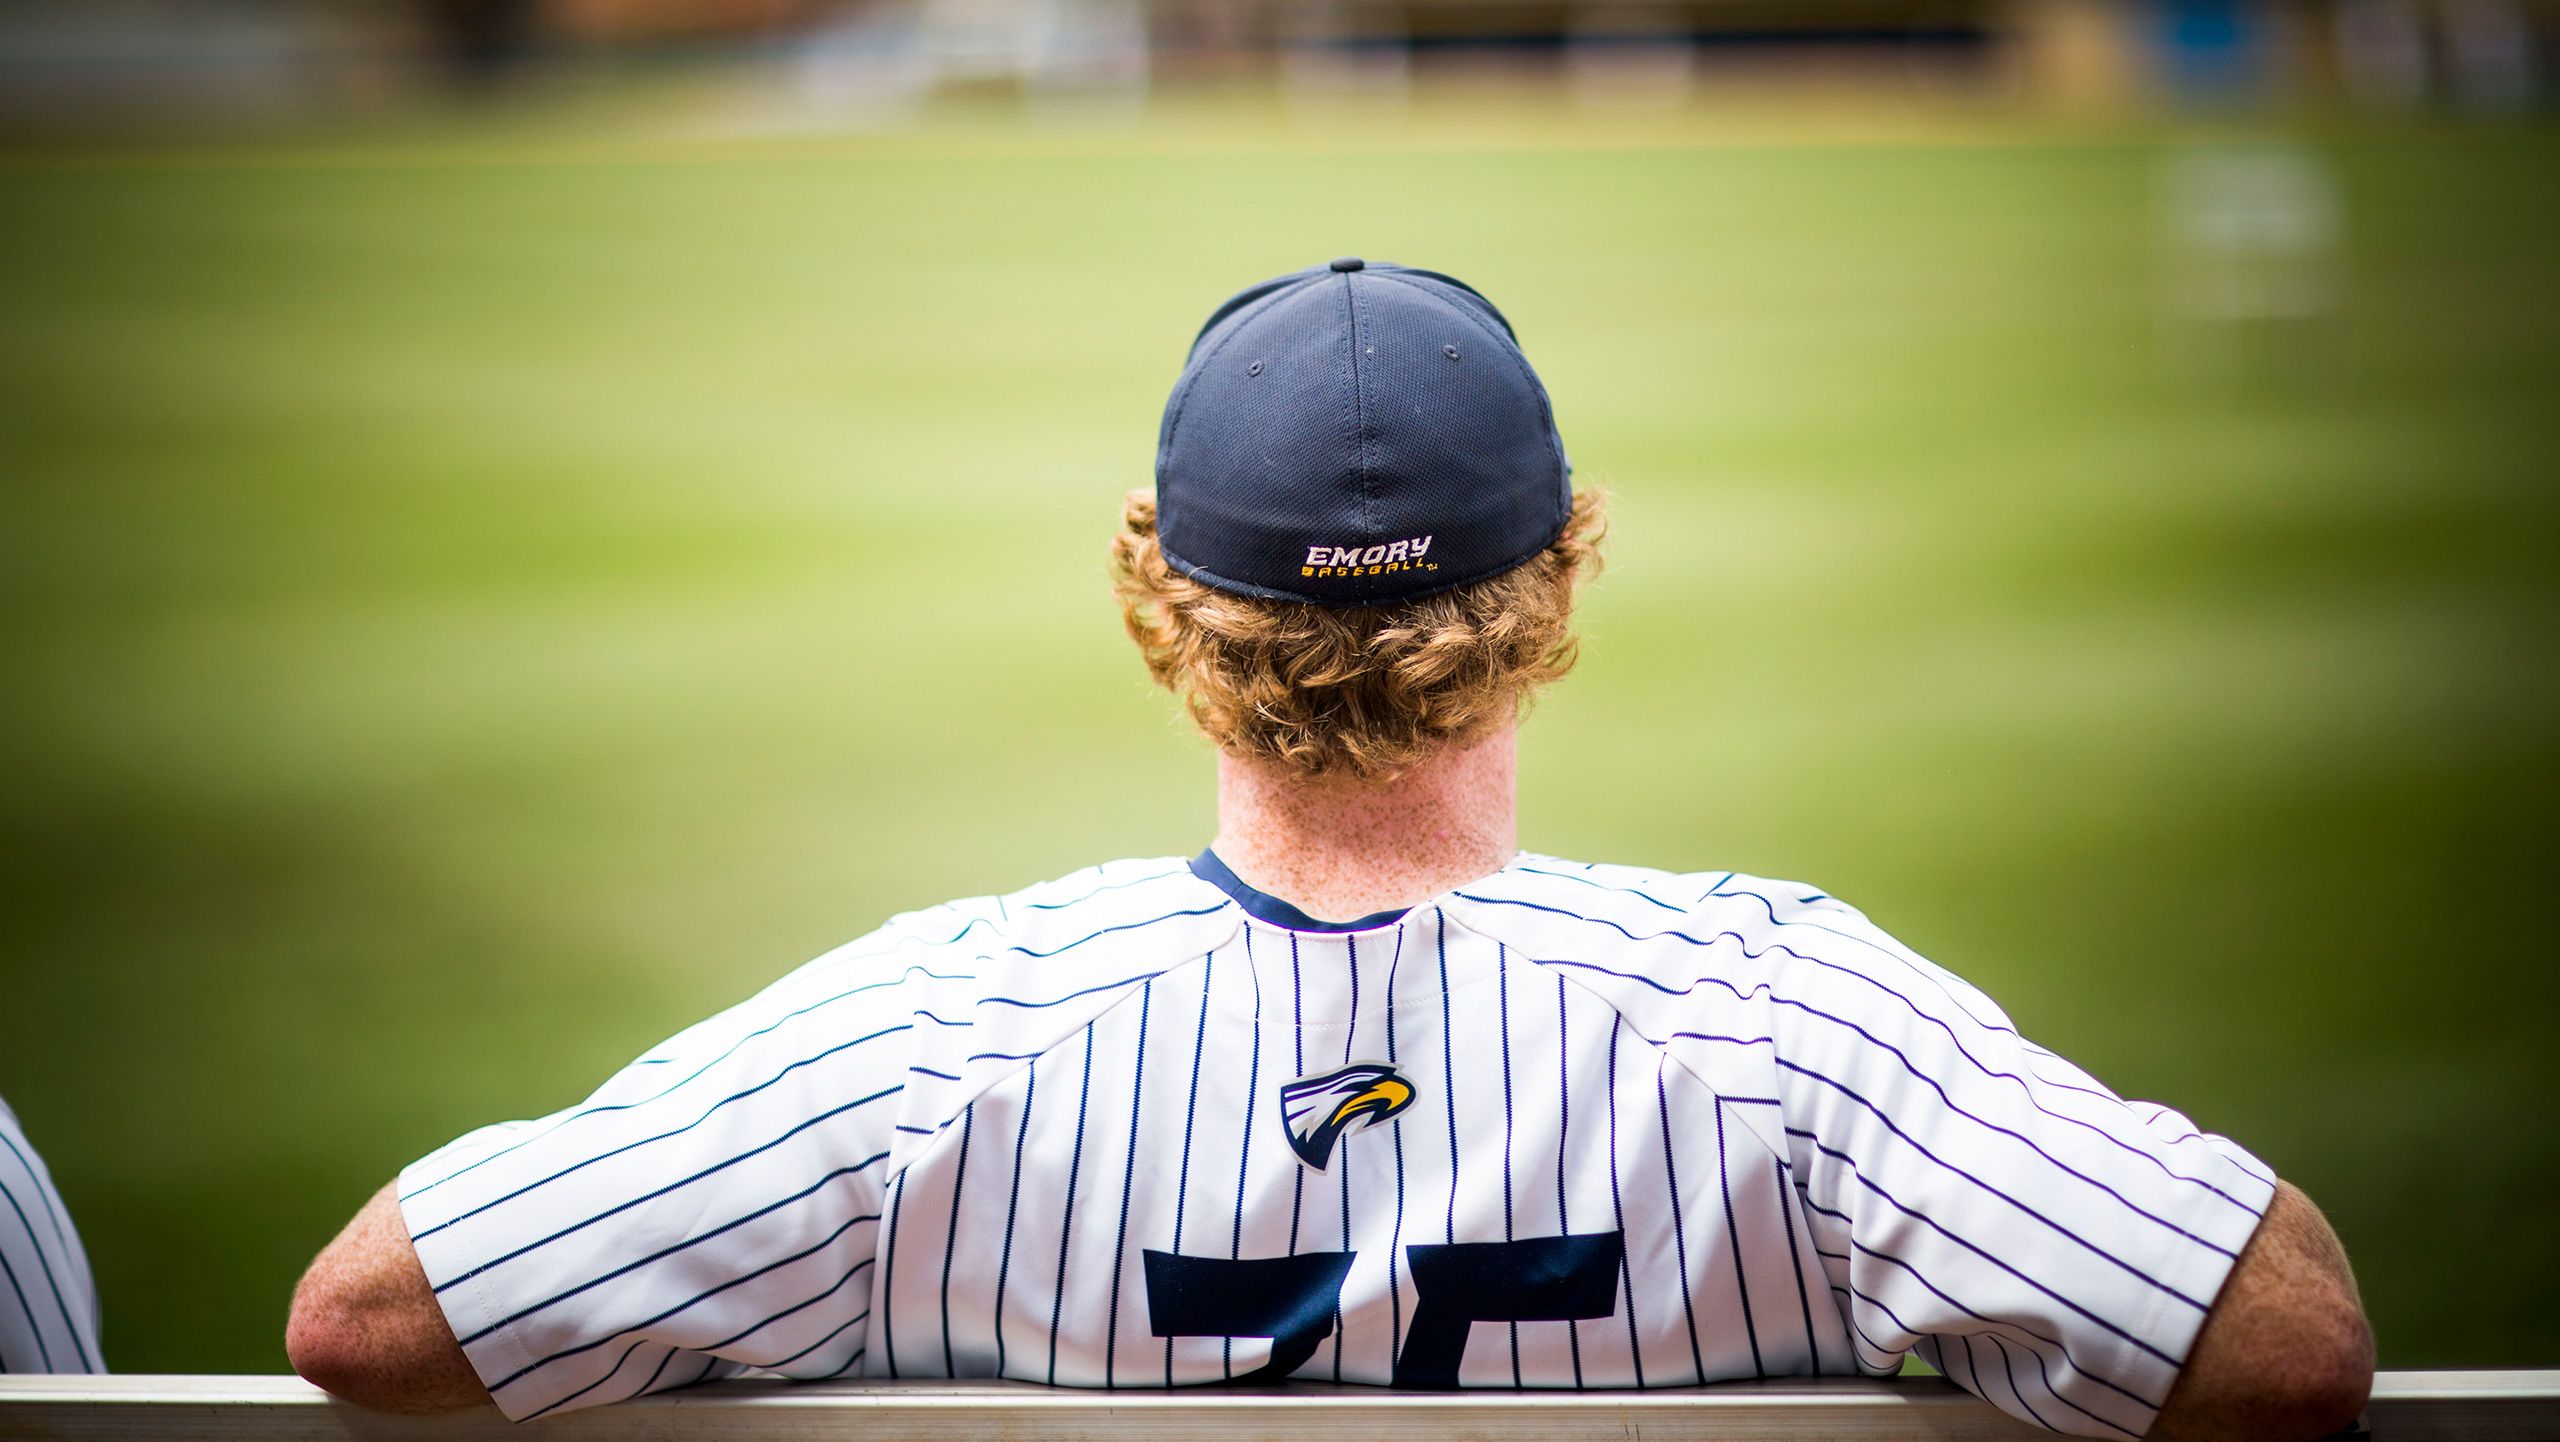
<point x="1364" y="691"/>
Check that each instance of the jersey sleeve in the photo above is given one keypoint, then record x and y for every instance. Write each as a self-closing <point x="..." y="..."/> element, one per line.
<point x="49" y="1310"/>
<point x="2045" y="1244"/>
<point x="710" y="1209"/>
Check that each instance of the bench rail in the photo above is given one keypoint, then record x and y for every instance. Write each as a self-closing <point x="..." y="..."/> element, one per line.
<point x="2519" y="1406"/>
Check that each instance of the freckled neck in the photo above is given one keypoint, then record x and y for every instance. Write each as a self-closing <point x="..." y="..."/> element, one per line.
<point x="1339" y="849"/>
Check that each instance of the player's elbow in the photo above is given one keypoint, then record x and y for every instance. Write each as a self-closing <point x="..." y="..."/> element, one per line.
<point x="366" y="1327"/>
<point x="2339" y="1378"/>
<point x="2303" y="1376"/>
<point x="2322" y="1386"/>
<point x="2286" y="1362"/>
<point x="324" y="1340"/>
<point x="2315" y="1392"/>
<point x="352" y="1345"/>
<point x="2286" y="1352"/>
<point x="337" y="1347"/>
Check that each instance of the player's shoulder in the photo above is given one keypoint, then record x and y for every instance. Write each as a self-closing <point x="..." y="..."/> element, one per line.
<point x="1145" y="902"/>
<point x="1603" y="891"/>
<point x="1086" y="929"/>
<point x="1707" y="933"/>
<point x="1555" y="908"/>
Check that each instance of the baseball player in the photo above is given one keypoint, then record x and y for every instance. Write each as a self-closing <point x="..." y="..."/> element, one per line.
<point x="1362" y="1092"/>
<point x="49" y="1312"/>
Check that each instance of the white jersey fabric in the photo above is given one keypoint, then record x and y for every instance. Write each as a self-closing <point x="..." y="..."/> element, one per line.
<point x="1566" y="1126"/>
<point x="48" y="1305"/>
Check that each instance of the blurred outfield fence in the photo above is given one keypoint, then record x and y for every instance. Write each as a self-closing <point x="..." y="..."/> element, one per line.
<point x="863" y="62"/>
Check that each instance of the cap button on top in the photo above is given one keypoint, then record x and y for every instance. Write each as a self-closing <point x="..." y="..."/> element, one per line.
<point x="1350" y="263"/>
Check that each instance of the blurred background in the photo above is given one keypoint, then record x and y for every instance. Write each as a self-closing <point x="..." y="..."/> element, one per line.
<point x="522" y="520"/>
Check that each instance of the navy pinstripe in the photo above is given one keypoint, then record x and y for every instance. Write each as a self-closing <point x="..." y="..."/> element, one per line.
<point x="1733" y="1234"/>
<point x="1067" y="1215"/>
<point x="1564" y="1154"/>
<point x="1448" y="1072"/>
<point x="1618" y="1210"/>
<point x="1298" y="1059"/>
<point x="889" y="1270"/>
<point x="1795" y="1259"/>
<point x="1244" y="1149"/>
<point x="1350" y="1032"/>
<point x="1679" y="1227"/>
<point x="1013" y="1206"/>
<point x="1128" y="1184"/>
<point x="950" y="1243"/>
<point x="1395" y="1236"/>
<point x="1190" y="1114"/>
<point x="1502" y="998"/>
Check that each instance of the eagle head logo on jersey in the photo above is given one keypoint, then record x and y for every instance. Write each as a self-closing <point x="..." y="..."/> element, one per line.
<point x="1317" y="1110"/>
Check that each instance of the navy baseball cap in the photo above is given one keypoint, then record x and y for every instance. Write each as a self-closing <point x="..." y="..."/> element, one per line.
<point x="1353" y="434"/>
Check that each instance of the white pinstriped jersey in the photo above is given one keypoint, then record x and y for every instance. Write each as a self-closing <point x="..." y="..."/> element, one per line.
<point x="49" y="1312"/>
<point x="1565" y="1126"/>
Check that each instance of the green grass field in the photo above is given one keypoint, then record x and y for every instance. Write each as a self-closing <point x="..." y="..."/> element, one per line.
<point x="477" y="601"/>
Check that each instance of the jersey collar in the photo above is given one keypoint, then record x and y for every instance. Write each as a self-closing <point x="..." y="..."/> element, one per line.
<point x="1263" y="906"/>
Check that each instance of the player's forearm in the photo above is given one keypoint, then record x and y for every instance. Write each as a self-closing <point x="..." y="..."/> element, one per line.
<point x="366" y="1327"/>
<point x="2286" y="1352"/>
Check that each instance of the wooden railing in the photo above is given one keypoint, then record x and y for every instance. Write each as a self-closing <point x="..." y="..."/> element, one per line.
<point x="2493" y="1406"/>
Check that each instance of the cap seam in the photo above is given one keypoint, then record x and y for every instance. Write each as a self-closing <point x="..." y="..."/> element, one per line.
<point x="1360" y="415"/>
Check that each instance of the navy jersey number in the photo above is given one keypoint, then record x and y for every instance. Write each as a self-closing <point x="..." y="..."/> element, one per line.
<point x="1290" y="1300"/>
<point x="1293" y="1300"/>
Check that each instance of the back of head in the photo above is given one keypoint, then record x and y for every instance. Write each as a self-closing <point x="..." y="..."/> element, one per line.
<point x="1364" y="544"/>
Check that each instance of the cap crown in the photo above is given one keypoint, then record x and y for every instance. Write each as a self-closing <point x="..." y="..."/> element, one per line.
<point x="1355" y="433"/>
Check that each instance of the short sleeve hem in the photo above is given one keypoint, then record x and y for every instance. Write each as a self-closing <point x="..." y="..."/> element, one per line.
<point x="2170" y="1324"/>
<point x="472" y="1310"/>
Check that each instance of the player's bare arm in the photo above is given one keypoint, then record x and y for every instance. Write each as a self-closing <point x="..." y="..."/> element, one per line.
<point x="366" y="1326"/>
<point x="2287" y="1351"/>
